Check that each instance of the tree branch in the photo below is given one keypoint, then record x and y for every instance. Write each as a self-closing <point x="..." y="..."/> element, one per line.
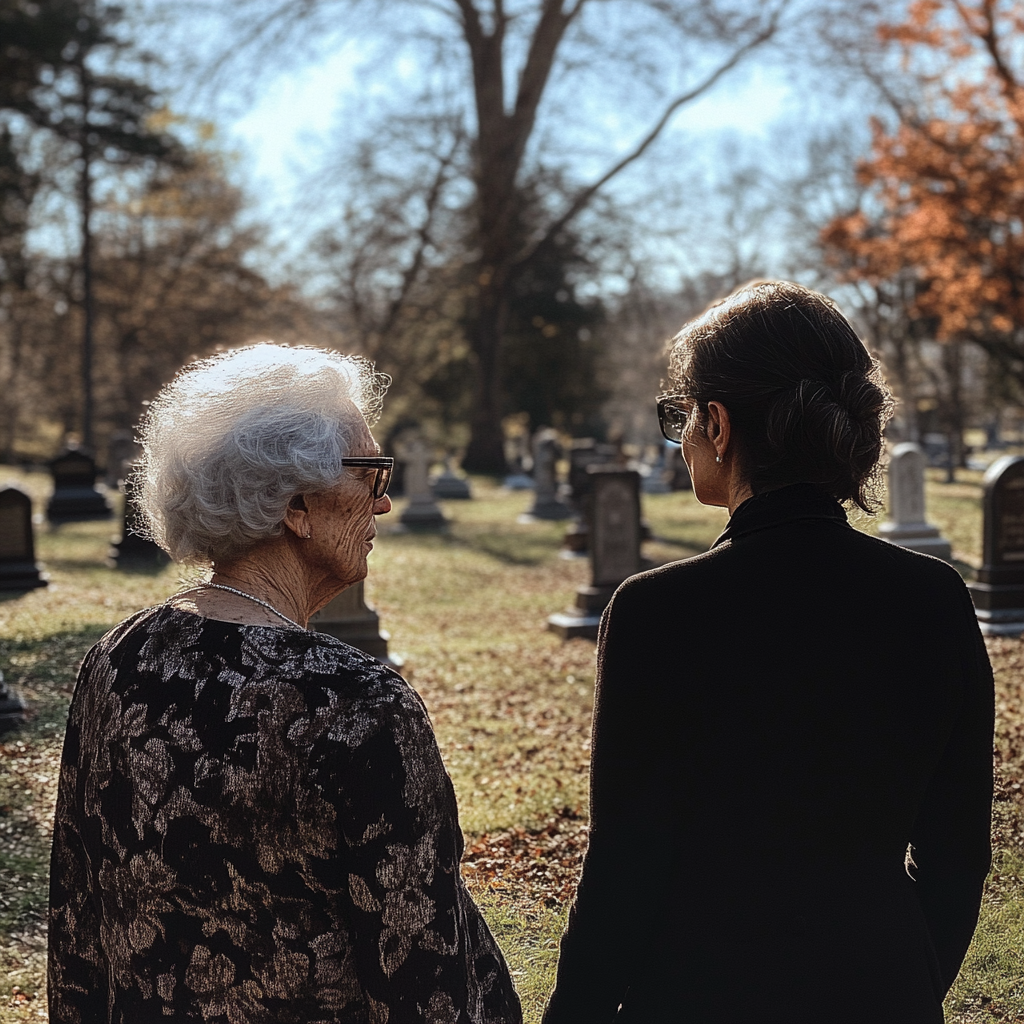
<point x="585" y="195"/>
<point x="423" y="234"/>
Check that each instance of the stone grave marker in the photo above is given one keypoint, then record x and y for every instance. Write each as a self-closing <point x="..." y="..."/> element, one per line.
<point x="998" y="591"/>
<point x="422" y="512"/>
<point x="614" y="549"/>
<point x="546" y="503"/>
<point x="12" y="708"/>
<point x="676" y="469"/>
<point x="449" y="485"/>
<point x="519" y="462"/>
<point x="134" y="550"/>
<point x="907" y="525"/>
<point x="75" y="498"/>
<point x="351" y="620"/>
<point x="18" y="567"/>
<point x="585" y="452"/>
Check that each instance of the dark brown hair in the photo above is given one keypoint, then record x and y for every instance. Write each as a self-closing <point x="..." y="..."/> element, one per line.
<point x="807" y="401"/>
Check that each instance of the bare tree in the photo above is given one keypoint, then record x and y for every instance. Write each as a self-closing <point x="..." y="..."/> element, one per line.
<point x="497" y="61"/>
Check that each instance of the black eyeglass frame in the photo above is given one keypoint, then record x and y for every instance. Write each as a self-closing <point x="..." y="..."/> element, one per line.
<point x="383" y="464"/>
<point x="671" y="419"/>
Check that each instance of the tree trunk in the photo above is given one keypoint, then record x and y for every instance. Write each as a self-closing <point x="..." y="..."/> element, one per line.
<point x="87" y="287"/>
<point x="486" y="450"/>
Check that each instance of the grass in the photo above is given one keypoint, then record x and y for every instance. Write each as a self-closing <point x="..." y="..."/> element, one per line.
<point x="510" y="703"/>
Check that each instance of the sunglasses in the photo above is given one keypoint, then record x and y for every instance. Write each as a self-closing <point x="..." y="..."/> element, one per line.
<point x="671" y="419"/>
<point x="384" y="466"/>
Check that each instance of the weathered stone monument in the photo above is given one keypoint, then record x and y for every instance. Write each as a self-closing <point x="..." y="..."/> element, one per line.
<point x="584" y="453"/>
<point x="614" y="549"/>
<point x="422" y="512"/>
<point x="676" y="469"/>
<point x="546" y="503"/>
<point x="998" y="591"/>
<point x="518" y="460"/>
<point x="134" y="550"/>
<point x="12" y="708"/>
<point x="351" y="620"/>
<point x="907" y="525"/>
<point x="449" y="486"/>
<point x="75" y="498"/>
<point x="18" y="568"/>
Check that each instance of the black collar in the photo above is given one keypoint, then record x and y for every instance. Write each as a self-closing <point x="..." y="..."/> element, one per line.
<point x="784" y="505"/>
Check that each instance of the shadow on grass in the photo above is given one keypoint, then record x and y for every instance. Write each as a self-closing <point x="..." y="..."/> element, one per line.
<point x="518" y="548"/>
<point x="43" y="670"/>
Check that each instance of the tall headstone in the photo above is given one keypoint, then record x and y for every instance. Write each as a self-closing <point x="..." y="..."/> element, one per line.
<point x="12" y="708"/>
<point x="134" y="550"/>
<point x="519" y="461"/>
<point x="422" y="512"/>
<point x="449" y="486"/>
<point x="614" y="549"/>
<point x="585" y="452"/>
<point x="75" y="498"/>
<point x="676" y="469"/>
<point x="546" y="503"/>
<point x="998" y="591"/>
<point x="18" y="568"/>
<point x="350" y="619"/>
<point x="907" y="525"/>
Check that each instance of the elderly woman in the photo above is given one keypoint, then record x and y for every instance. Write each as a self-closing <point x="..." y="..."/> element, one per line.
<point x="254" y="825"/>
<point x="779" y="718"/>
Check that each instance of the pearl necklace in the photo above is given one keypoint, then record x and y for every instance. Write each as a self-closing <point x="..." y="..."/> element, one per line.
<point x="248" y="597"/>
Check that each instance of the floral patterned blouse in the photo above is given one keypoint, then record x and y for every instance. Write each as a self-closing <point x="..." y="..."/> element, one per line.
<point x="254" y="826"/>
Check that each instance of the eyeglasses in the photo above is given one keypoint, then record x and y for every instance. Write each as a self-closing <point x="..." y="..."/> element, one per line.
<point x="671" y="419"/>
<point x="384" y="466"/>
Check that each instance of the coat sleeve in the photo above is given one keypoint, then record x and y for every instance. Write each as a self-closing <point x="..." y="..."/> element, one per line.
<point x="612" y="920"/>
<point x="423" y="952"/>
<point x="952" y="834"/>
<point x="76" y="966"/>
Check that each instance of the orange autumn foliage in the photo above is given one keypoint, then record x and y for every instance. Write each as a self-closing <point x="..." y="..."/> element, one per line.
<point x="945" y="189"/>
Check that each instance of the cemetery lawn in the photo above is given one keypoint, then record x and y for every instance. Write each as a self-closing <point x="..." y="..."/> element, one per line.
<point x="510" y="703"/>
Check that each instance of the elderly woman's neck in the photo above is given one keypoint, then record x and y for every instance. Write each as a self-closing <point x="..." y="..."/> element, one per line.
<point x="269" y="575"/>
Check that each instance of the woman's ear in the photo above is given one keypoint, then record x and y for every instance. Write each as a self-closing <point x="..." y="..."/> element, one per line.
<point x="296" y="517"/>
<point x="719" y="428"/>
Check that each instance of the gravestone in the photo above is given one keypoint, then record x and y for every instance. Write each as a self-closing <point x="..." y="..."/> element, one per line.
<point x="450" y="486"/>
<point x="12" y="708"/>
<point x="546" y="503"/>
<point x="18" y="568"/>
<point x="998" y="591"/>
<point x="121" y="452"/>
<point x="422" y="512"/>
<point x="907" y="525"/>
<point x="134" y="550"/>
<point x="351" y="620"/>
<point x="519" y="462"/>
<point x="614" y="549"/>
<point x="585" y="452"/>
<point x="75" y="498"/>
<point x="676" y="469"/>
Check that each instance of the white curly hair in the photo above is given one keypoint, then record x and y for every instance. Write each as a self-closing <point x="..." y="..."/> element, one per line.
<point x="232" y="438"/>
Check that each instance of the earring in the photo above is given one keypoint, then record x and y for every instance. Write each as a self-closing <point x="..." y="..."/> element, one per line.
<point x="307" y="535"/>
<point x="718" y="458"/>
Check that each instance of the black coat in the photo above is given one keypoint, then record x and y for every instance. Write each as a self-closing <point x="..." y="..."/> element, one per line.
<point x="775" y="721"/>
